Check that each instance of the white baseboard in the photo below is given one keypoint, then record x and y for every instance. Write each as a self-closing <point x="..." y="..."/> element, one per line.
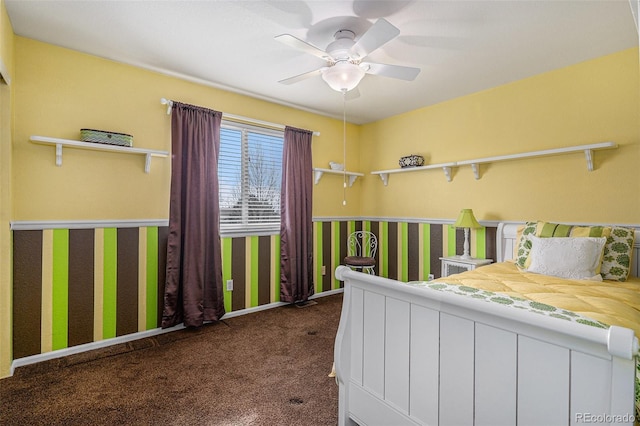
<point x="60" y="353"/>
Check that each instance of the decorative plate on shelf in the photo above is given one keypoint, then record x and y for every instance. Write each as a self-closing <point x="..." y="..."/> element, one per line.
<point x="411" y="161"/>
<point x="336" y="166"/>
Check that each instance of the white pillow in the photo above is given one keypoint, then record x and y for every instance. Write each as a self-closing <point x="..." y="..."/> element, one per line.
<point x="567" y="257"/>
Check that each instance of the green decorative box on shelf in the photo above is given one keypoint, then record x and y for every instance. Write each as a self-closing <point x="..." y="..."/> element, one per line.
<point x="105" y="137"/>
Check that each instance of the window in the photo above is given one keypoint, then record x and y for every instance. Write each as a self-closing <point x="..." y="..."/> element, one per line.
<point x="249" y="175"/>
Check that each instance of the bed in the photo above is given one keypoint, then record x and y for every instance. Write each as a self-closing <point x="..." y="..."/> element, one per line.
<point x="471" y="349"/>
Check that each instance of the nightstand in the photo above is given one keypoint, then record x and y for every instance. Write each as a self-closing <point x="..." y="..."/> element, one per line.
<point x="454" y="264"/>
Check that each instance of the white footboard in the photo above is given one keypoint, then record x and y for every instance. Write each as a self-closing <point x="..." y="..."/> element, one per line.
<point x="413" y="356"/>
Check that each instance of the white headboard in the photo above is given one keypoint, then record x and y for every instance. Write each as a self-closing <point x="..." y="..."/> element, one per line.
<point x="506" y="241"/>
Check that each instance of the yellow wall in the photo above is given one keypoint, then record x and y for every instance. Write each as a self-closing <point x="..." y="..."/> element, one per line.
<point x="590" y="102"/>
<point x="6" y="57"/>
<point x="59" y="91"/>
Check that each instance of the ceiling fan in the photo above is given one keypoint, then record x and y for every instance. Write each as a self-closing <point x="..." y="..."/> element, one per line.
<point x="344" y="56"/>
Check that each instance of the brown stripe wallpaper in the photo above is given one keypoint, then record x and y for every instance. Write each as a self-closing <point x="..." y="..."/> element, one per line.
<point x="327" y="278"/>
<point x="344" y="235"/>
<point x="375" y="228"/>
<point x="435" y="245"/>
<point x="392" y="250"/>
<point x="459" y="240"/>
<point x="491" y="233"/>
<point x="413" y="251"/>
<point x="238" y="266"/>
<point x="27" y="293"/>
<point x="127" y="289"/>
<point x="163" y="236"/>
<point x="81" y="252"/>
<point x="264" y="270"/>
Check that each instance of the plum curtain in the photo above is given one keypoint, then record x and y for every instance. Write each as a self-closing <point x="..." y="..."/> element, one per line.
<point x="296" y="236"/>
<point x="193" y="289"/>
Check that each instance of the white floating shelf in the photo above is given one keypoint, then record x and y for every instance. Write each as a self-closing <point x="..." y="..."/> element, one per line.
<point x="317" y="174"/>
<point x="59" y="143"/>
<point x="446" y="168"/>
<point x="587" y="149"/>
<point x="475" y="163"/>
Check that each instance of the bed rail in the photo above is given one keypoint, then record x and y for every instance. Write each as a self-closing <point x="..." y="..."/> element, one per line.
<point x="414" y="356"/>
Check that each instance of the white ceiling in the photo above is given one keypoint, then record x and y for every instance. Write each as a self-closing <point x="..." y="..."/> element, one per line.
<point x="462" y="47"/>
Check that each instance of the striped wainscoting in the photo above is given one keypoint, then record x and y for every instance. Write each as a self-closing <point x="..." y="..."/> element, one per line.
<point x="77" y="284"/>
<point x="407" y="251"/>
<point x="253" y="263"/>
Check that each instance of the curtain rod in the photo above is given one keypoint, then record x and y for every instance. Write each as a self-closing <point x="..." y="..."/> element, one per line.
<point x="234" y="117"/>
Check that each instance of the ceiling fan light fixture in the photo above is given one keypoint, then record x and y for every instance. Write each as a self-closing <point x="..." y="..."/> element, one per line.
<point x="343" y="76"/>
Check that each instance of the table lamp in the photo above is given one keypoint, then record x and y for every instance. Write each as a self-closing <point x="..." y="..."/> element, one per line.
<point x="466" y="220"/>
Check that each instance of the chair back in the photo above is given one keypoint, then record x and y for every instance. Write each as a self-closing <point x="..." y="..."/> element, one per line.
<point x="362" y="244"/>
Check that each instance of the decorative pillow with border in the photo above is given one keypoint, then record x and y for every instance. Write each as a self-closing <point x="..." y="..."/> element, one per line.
<point x="567" y="257"/>
<point x="524" y="245"/>
<point x="545" y="230"/>
<point x="519" y="230"/>
<point x="618" y="252"/>
<point x="590" y="231"/>
<point x="548" y="229"/>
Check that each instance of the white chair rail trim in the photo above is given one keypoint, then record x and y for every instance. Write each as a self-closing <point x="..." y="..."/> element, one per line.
<point x="30" y="225"/>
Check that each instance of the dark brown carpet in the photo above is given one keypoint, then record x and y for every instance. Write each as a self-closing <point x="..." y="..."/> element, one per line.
<point x="265" y="368"/>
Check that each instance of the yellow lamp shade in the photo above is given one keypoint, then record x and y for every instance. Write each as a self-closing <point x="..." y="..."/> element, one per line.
<point x="466" y="219"/>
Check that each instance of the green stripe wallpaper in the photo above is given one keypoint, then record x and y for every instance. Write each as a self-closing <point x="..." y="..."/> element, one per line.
<point x="226" y="272"/>
<point x="109" y="289"/>
<point x="76" y="286"/>
<point x="60" y="289"/>
<point x="151" y="296"/>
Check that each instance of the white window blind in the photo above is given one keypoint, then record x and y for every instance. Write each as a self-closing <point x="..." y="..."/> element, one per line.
<point x="249" y="175"/>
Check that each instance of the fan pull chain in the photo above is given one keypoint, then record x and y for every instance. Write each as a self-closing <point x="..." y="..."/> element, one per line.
<point x="344" y="147"/>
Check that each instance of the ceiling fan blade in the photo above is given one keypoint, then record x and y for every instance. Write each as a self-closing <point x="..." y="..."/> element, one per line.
<point x="296" y="43"/>
<point x="393" y="71"/>
<point x="300" y="77"/>
<point x="380" y="33"/>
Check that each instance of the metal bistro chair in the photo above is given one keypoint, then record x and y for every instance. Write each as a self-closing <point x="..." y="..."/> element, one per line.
<point x="361" y="251"/>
